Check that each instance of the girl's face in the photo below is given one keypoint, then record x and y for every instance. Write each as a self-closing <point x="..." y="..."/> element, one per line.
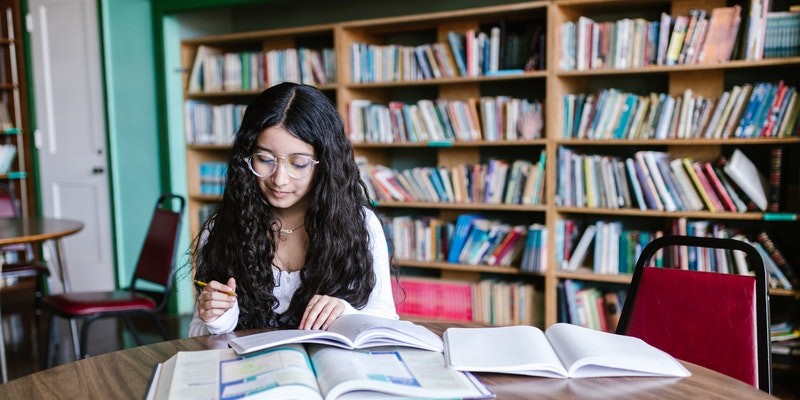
<point x="286" y="167"/>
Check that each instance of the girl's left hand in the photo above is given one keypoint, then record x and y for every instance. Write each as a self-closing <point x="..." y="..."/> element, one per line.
<point x="321" y="311"/>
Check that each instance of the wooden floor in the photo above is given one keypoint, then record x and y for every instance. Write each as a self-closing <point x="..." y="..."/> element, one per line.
<point x="25" y="343"/>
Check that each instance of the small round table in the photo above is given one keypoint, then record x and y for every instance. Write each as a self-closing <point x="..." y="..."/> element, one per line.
<point x="37" y="230"/>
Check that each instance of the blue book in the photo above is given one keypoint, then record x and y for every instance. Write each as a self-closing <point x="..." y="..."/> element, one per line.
<point x="478" y="234"/>
<point x="763" y="110"/>
<point x="460" y="234"/>
<point x="625" y="118"/>
<point x="750" y="110"/>
<point x="457" y="48"/>
<point x="436" y="180"/>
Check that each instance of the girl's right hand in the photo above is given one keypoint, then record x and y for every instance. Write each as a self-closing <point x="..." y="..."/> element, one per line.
<point x="214" y="300"/>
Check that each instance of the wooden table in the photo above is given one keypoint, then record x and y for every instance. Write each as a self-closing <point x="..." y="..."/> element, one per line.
<point x="125" y="374"/>
<point x="37" y="230"/>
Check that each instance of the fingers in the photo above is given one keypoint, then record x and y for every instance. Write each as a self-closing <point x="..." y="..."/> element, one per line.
<point x="320" y="312"/>
<point x="213" y="301"/>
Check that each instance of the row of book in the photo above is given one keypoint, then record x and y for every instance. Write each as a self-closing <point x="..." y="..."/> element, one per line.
<point x="211" y="124"/>
<point x="484" y="118"/>
<point x="699" y="37"/>
<point x="212" y="177"/>
<point x="606" y="247"/>
<point x="754" y="110"/>
<point x="614" y="249"/>
<point x="651" y="181"/>
<point x="782" y="34"/>
<point x="474" y="53"/>
<point x="215" y="71"/>
<point x="489" y="302"/>
<point x="473" y="240"/>
<point x="496" y="182"/>
<point x="8" y="153"/>
<point x="588" y="306"/>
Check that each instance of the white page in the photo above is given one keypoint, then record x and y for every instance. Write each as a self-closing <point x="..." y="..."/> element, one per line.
<point x="519" y="349"/>
<point x="586" y="352"/>
<point x="196" y="375"/>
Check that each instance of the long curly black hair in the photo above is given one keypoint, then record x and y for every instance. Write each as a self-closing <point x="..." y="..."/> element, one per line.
<point x="241" y="235"/>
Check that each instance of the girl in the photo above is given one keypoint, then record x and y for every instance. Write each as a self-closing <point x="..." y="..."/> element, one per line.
<point x="293" y="243"/>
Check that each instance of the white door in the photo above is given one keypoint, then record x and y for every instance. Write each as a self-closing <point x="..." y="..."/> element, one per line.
<point x="71" y="136"/>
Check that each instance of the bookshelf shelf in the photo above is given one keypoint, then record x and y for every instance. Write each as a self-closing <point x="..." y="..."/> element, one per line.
<point x="461" y="206"/>
<point x="679" y="142"/>
<point x="729" y="65"/>
<point x="751" y="216"/>
<point x="493" y="269"/>
<point x="550" y="84"/>
<point x="477" y="143"/>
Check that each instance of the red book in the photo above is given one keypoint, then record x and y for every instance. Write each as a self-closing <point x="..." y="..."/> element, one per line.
<point x="706" y="187"/>
<point x="719" y="189"/>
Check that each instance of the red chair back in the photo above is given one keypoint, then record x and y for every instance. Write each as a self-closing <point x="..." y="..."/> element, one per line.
<point x="719" y="321"/>
<point x="156" y="262"/>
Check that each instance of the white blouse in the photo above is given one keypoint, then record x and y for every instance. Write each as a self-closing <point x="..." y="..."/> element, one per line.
<point x="380" y="303"/>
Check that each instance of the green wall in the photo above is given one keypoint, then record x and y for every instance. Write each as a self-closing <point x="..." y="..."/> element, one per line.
<point x="134" y="162"/>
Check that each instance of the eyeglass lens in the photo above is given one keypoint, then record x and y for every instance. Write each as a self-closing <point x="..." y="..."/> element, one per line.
<point x="297" y="165"/>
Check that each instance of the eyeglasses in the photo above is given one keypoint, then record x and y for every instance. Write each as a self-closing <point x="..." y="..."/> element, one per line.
<point x="298" y="166"/>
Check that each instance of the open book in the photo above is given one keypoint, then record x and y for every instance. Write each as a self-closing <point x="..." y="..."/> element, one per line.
<point x="564" y="351"/>
<point x="352" y="331"/>
<point x="314" y="372"/>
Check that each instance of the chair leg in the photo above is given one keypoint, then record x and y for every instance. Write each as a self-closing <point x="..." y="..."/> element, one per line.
<point x="160" y="325"/>
<point x="50" y="353"/>
<point x="82" y="351"/>
<point x="132" y="329"/>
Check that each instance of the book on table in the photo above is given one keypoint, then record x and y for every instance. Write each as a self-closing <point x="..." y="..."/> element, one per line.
<point x="313" y="371"/>
<point x="352" y="331"/>
<point x="562" y="351"/>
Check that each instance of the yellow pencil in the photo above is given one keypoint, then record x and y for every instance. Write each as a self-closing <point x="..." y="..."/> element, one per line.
<point x="203" y="284"/>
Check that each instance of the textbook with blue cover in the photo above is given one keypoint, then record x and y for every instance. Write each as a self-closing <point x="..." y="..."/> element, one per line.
<point x="313" y="372"/>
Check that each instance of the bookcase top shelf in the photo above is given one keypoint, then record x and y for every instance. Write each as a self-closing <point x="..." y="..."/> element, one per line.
<point x="749" y="216"/>
<point x="733" y="64"/>
<point x="461" y="206"/>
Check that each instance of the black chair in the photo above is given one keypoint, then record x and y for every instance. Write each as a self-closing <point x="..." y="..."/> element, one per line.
<point x="156" y="265"/>
<point x="716" y="320"/>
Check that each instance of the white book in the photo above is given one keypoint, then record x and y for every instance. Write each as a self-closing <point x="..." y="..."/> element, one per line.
<point x="637" y="188"/>
<point x="744" y="173"/>
<point x="658" y="180"/>
<point x="579" y="253"/>
<point x="352" y="331"/>
<point x="563" y="351"/>
<point x="686" y="186"/>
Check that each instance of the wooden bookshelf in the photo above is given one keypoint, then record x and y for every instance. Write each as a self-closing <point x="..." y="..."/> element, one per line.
<point x="13" y="95"/>
<point x="709" y="80"/>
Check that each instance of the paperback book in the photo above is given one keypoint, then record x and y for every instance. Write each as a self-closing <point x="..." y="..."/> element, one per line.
<point x="352" y="331"/>
<point x="563" y="351"/>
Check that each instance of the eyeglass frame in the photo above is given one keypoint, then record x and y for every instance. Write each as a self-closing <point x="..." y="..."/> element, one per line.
<point x="249" y="162"/>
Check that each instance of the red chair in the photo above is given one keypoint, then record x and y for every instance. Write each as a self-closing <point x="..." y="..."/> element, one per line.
<point x="19" y="258"/>
<point x="156" y="265"/>
<point x="719" y="321"/>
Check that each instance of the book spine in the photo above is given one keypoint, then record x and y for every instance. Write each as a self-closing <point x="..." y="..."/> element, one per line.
<point x="777" y="256"/>
<point x="776" y="161"/>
